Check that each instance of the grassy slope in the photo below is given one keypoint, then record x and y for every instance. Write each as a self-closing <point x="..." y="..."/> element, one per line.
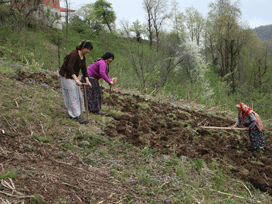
<point x="36" y="111"/>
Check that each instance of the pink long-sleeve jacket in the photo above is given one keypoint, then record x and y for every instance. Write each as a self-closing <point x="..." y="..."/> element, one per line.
<point x="98" y="70"/>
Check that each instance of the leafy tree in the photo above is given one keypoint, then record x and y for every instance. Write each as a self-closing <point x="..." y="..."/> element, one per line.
<point x="4" y="1"/>
<point x="178" y="20"/>
<point x="192" y="70"/>
<point x="225" y="37"/>
<point x="170" y="46"/>
<point x="22" y="11"/>
<point x="52" y="17"/>
<point x="104" y="12"/>
<point x="137" y="29"/>
<point x="87" y="13"/>
<point x="195" y="23"/>
<point x="5" y="13"/>
<point x="261" y="64"/>
<point x="78" y="24"/>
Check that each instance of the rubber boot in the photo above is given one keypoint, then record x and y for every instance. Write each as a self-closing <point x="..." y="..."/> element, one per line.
<point x="81" y="120"/>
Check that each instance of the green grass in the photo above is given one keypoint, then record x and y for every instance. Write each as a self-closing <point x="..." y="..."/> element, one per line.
<point x="144" y="105"/>
<point x="36" y="198"/>
<point x="8" y="174"/>
<point x="257" y="162"/>
<point x="159" y="177"/>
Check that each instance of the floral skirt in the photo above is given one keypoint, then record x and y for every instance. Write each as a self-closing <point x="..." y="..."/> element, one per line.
<point x="72" y="96"/>
<point x="256" y="138"/>
<point x="93" y="95"/>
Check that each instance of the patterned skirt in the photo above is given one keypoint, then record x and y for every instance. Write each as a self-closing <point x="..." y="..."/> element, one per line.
<point x="93" y="95"/>
<point x="256" y="138"/>
<point x="72" y="96"/>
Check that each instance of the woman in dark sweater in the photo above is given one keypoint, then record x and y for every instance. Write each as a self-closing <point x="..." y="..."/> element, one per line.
<point x="69" y="82"/>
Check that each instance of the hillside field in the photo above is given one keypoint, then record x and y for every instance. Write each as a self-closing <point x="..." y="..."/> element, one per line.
<point x="148" y="150"/>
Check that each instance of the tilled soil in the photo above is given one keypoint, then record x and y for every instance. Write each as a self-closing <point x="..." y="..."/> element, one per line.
<point x="163" y="126"/>
<point x="166" y="127"/>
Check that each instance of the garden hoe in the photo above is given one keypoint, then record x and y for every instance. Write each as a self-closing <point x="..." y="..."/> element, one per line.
<point x="223" y="128"/>
<point x="109" y="98"/>
<point x="85" y="100"/>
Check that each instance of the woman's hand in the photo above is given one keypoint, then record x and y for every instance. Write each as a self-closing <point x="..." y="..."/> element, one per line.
<point x="234" y="126"/>
<point x="78" y="82"/>
<point x="88" y="82"/>
<point x="114" y="80"/>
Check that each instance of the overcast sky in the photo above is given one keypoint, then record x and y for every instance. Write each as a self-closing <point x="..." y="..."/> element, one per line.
<point x="254" y="12"/>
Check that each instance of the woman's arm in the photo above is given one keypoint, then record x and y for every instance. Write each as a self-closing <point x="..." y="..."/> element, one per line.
<point x="103" y="71"/>
<point x="87" y="81"/>
<point x="253" y="120"/>
<point x="76" y="80"/>
<point x="238" y="122"/>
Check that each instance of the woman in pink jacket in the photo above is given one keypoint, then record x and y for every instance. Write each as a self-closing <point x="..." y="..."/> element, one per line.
<point x="97" y="70"/>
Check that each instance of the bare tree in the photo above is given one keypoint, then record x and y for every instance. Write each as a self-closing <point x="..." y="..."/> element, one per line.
<point x="178" y="20"/>
<point x="195" y="23"/>
<point x="156" y="14"/>
<point x="153" y="67"/>
<point x="148" y="6"/>
<point x="159" y="15"/>
<point x="67" y="19"/>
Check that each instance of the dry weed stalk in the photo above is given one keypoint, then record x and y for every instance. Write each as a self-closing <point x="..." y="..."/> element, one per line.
<point x="232" y="195"/>
<point x="10" y="126"/>
<point x="245" y="187"/>
<point x="10" y="185"/>
<point x="43" y="129"/>
<point x="16" y="103"/>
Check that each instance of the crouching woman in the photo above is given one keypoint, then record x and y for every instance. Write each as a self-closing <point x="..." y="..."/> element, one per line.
<point x="251" y="120"/>
<point x="98" y="70"/>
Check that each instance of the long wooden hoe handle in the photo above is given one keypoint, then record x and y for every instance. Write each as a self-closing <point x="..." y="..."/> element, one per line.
<point x="223" y="128"/>
<point x="109" y="98"/>
<point x="86" y="102"/>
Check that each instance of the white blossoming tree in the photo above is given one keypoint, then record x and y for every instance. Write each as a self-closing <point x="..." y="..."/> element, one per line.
<point x="192" y="70"/>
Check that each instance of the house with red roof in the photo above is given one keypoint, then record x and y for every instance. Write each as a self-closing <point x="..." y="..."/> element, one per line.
<point x="52" y="7"/>
<point x="63" y="13"/>
<point x="52" y="10"/>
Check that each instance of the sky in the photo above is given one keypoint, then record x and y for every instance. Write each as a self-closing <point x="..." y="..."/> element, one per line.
<point x="254" y="12"/>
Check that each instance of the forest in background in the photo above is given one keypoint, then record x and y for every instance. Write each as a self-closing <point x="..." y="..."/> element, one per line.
<point x="215" y="60"/>
<point x="264" y="32"/>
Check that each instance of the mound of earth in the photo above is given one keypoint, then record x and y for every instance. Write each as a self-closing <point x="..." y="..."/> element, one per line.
<point x="170" y="128"/>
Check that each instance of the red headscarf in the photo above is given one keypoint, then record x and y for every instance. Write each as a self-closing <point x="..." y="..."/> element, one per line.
<point x="243" y="110"/>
